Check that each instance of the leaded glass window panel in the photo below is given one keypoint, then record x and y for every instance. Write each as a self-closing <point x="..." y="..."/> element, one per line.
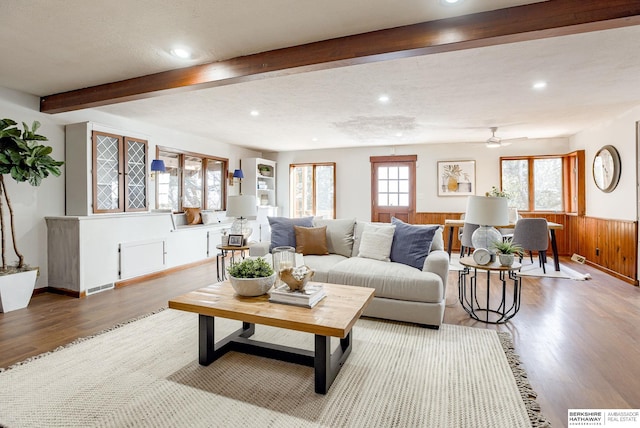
<point x="136" y="175"/>
<point x="107" y="172"/>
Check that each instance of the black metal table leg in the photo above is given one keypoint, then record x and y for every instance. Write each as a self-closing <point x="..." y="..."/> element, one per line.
<point x="326" y="365"/>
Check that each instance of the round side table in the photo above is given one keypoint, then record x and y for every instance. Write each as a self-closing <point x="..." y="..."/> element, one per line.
<point x="487" y="311"/>
<point x="222" y="255"/>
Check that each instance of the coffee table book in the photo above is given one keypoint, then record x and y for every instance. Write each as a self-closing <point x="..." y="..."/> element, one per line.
<point x="311" y="295"/>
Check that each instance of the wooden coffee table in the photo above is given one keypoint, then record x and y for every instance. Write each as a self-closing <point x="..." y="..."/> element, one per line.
<point x="334" y="316"/>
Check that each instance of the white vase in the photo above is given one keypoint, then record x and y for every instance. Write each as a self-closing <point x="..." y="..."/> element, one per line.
<point x="16" y="290"/>
<point x="506" y="259"/>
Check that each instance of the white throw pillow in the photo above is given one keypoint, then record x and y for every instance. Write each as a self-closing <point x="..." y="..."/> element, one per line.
<point x="376" y="242"/>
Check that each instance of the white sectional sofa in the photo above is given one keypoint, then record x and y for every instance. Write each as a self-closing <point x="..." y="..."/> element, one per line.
<point x="402" y="292"/>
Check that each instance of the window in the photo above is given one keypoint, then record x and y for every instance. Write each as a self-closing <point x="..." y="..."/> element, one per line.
<point x="190" y="180"/>
<point x="535" y="183"/>
<point x="393" y="186"/>
<point x="313" y="189"/>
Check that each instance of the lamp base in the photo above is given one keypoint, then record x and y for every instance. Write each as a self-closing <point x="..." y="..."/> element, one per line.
<point x="485" y="236"/>
<point x="240" y="226"/>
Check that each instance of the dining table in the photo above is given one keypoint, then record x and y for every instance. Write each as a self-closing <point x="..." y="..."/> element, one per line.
<point x="453" y="223"/>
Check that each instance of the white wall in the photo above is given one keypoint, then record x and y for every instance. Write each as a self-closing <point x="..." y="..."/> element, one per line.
<point x="33" y="204"/>
<point x="353" y="172"/>
<point x="622" y="203"/>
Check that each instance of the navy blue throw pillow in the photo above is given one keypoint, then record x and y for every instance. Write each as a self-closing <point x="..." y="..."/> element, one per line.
<point x="282" y="231"/>
<point x="411" y="243"/>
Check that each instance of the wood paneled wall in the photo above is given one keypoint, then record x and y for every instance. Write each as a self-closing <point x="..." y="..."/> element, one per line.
<point x="610" y="245"/>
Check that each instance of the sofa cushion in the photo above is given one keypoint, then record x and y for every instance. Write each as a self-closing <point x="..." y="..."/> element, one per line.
<point x="390" y="280"/>
<point x="376" y="241"/>
<point x="282" y="233"/>
<point x="339" y="234"/>
<point x="411" y="243"/>
<point x="311" y="240"/>
<point x="322" y="265"/>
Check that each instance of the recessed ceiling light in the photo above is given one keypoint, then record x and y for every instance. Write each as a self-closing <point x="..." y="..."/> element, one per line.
<point x="255" y="113"/>
<point x="450" y="2"/>
<point x="181" y="53"/>
<point x="398" y="134"/>
<point x="539" y="85"/>
<point x="383" y="98"/>
<point x="314" y="139"/>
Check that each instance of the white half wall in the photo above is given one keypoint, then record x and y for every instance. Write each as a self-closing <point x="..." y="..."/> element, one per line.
<point x="353" y="172"/>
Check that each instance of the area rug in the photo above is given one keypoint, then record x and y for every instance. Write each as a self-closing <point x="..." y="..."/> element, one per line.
<point x="146" y="374"/>
<point x="534" y="269"/>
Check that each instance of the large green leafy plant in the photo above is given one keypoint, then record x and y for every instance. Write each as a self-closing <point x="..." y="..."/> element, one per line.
<point x="24" y="158"/>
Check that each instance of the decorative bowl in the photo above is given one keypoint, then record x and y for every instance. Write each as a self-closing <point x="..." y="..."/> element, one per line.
<point x="296" y="278"/>
<point x="250" y="287"/>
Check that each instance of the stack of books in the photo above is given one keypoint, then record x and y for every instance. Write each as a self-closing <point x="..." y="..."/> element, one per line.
<point x="308" y="298"/>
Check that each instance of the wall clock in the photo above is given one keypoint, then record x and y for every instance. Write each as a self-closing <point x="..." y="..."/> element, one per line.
<point x="606" y="168"/>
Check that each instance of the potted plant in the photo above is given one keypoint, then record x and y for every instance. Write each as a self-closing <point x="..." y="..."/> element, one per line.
<point x="23" y="158"/>
<point x="507" y="250"/>
<point x="251" y="277"/>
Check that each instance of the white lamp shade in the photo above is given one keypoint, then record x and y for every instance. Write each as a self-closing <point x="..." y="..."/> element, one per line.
<point x="241" y="206"/>
<point x="487" y="211"/>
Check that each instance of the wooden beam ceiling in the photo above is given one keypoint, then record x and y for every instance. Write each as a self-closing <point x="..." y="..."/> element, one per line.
<point x="529" y="22"/>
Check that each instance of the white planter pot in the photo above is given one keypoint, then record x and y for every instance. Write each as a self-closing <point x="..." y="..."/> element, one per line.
<point x="250" y="287"/>
<point x="506" y="259"/>
<point x="16" y="290"/>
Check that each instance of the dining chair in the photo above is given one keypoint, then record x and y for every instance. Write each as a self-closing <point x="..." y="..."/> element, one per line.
<point x="532" y="234"/>
<point x="465" y="238"/>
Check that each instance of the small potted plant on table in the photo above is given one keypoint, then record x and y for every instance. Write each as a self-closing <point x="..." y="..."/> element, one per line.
<point x="507" y="250"/>
<point x="251" y="277"/>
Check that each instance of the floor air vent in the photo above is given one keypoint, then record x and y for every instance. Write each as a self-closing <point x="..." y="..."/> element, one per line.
<point x="100" y="288"/>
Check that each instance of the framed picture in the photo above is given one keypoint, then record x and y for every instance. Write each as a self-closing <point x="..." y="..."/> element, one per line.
<point x="235" y="240"/>
<point x="456" y="178"/>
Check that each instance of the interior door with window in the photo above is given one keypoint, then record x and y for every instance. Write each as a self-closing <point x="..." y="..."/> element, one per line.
<point x="393" y="188"/>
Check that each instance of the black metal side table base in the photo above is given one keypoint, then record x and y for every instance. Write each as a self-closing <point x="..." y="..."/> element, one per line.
<point x="469" y="299"/>
<point x="326" y="365"/>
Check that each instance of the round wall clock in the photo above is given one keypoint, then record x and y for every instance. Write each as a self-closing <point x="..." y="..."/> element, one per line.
<point x="606" y="168"/>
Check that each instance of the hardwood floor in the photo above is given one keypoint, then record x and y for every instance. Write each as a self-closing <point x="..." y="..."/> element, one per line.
<point x="579" y="340"/>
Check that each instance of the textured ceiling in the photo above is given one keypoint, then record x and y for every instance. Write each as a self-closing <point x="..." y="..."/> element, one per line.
<point x="448" y="97"/>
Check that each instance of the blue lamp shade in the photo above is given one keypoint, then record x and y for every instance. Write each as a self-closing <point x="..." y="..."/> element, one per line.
<point x="158" y="165"/>
<point x="238" y="173"/>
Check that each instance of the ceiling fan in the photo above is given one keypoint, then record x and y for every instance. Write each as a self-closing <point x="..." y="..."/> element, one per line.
<point x="495" y="142"/>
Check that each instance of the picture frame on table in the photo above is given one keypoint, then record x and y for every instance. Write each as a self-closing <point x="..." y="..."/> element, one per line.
<point x="235" y="240"/>
<point x="457" y="178"/>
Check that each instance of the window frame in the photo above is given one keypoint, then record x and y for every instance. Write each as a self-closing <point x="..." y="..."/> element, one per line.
<point x="182" y="154"/>
<point x="314" y="165"/>
<point x="573" y="174"/>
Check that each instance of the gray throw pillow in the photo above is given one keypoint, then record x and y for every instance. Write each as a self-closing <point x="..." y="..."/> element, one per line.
<point x="339" y="234"/>
<point x="411" y="243"/>
<point x="282" y="232"/>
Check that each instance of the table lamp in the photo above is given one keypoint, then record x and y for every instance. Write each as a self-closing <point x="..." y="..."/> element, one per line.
<point x="241" y="207"/>
<point x="486" y="211"/>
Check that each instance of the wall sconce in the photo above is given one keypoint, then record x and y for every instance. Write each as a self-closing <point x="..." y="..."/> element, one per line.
<point x="236" y="174"/>
<point x="157" y="165"/>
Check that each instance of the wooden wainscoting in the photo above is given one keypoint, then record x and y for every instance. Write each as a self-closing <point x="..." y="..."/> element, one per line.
<point x="609" y="245"/>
